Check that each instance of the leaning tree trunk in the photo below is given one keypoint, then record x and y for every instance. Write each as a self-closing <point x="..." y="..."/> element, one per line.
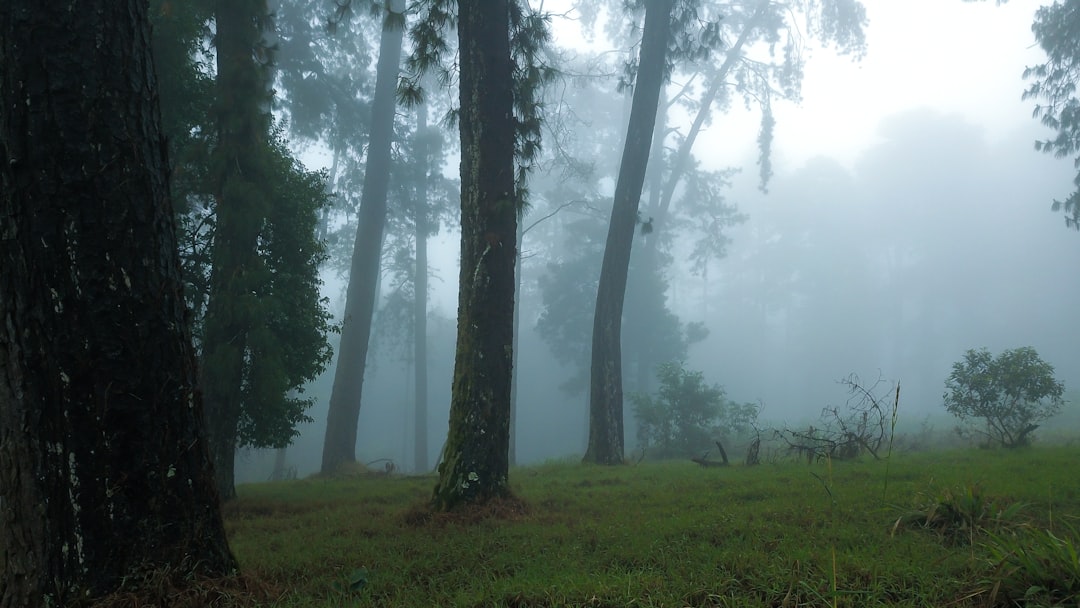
<point x="104" y="473"/>
<point x="240" y="165"/>
<point x="717" y="81"/>
<point x="344" y="414"/>
<point x="605" y="394"/>
<point x="474" y="464"/>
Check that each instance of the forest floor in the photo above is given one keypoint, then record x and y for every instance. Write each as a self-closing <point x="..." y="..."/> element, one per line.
<point x="958" y="528"/>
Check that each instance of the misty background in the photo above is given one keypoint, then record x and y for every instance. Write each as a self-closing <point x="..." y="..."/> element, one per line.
<point x="908" y="220"/>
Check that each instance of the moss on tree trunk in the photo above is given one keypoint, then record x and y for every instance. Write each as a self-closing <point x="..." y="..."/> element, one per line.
<point x="475" y="463"/>
<point x="605" y="391"/>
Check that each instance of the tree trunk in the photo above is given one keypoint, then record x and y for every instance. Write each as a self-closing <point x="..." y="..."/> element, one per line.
<point x="240" y="158"/>
<point x="512" y="457"/>
<point x="682" y="157"/>
<point x="605" y="395"/>
<point x="278" y="474"/>
<point x="420" y="293"/>
<point x="104" y="473"/>
<point x="639" y="314"/>
<point x="344" y="413"/>
<point x="474" y="464"/>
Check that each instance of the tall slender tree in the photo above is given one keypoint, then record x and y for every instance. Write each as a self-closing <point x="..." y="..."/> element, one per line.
<point x="605" y="393"/>
<point x="474" y="465"/>
<point x="420" y="295"/>
<point x="104" y="471"/>
<point x="343" y="416"/>
<point x="240" y="172"/>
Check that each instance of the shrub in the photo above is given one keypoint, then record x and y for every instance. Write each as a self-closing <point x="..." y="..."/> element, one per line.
<point x="686" y="415"/>
<point x="1010" y="393"/>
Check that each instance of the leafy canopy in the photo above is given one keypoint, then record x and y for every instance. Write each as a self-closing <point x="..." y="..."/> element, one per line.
<point x="1011" y="393"/>
<point x="1057" y="30"/>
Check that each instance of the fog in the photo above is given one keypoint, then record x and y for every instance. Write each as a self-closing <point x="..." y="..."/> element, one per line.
<point x="888" y="253"/>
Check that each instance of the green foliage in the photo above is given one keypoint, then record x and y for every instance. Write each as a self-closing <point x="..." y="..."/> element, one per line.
<point x="695" y="33"/>
<point x="687" y="415"/>
<point x="1036" y="567"/>
<point x="1010" y="393"/>
<point x="529" y="40"/>
<point x="1057" y="30"/>
<point x="288" y="344"/>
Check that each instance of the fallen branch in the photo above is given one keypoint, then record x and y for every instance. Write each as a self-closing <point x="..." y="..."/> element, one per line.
<point x="705" y="462"/>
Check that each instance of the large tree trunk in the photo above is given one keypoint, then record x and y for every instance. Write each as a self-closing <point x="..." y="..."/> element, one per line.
<point x="474" y="464"/>
<point x="605" y="394"/>
<point x="104" y="473"/>
<point x="420" y="289"/>
<point x="340" y="445"/>
<point x="240" y="158"/>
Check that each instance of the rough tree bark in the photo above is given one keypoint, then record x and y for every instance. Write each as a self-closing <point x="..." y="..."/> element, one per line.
<point x="344" y="414"/>
<point x="243" y="125"/>
<point x="474" y="464"/>
<point x="104" y="472"/>
<point x="605" y="394"/>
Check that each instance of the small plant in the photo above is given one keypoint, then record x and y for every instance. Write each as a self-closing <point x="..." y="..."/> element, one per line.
<point x="961" y="514"/>
<point x="354" y="584"/>
<point x="1036" y="567"/>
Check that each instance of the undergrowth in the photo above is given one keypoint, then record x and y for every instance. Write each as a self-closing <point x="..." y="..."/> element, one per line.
<point x="672" y="534"/>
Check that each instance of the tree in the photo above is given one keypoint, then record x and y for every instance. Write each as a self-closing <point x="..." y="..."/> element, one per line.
<point x="605" y="394"/>
<point x="499" y="123"/>
<point x="1011" y="393"/>
<point x="340" y="445"/>
<point x="104" y="470"/>
<point x="474" y="465"/>
<point x="264" y="328"/>
<point x="686" y="415"/>
<point x="1057" y="30"/>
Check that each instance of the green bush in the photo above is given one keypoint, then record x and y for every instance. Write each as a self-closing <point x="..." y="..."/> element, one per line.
<point x="687" y="415"/>
<point x="1010" y="393"/>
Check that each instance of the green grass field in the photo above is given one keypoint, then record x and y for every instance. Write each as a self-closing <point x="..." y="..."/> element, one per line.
<point x="676" y="534"/>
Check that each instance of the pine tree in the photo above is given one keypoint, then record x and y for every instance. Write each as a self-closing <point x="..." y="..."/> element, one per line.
<point x="104" y="470"/>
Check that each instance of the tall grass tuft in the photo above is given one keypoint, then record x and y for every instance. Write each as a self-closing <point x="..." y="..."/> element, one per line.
<point x="892" y="437"/>
<point x="963" y="513"/>
<point x="1035" y="567"/>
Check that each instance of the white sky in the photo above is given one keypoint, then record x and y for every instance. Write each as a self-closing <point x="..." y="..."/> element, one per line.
<point x="950" y="55"/>
<point x="954" y="56"/>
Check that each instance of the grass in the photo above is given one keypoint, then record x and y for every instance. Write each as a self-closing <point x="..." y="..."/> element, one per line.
<point x="656" y="534"/>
